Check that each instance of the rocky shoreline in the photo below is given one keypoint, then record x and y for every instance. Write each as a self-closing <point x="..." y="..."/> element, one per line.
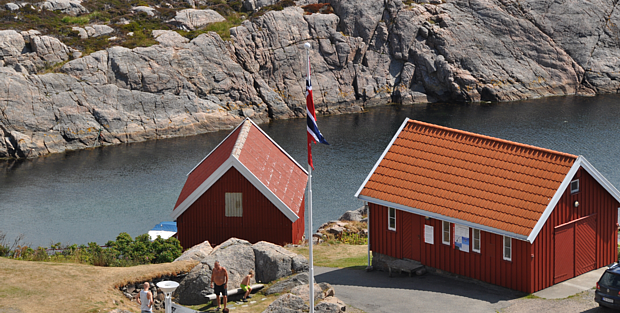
<point x="366" y="53"/>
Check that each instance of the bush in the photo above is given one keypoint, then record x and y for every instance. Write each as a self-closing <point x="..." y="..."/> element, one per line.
<point x="125" y="251"/>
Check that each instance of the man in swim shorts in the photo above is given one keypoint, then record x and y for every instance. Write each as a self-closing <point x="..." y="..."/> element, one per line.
<point x="219" y="278"/>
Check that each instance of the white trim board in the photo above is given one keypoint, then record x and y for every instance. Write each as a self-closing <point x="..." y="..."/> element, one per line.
<point x="217" y="174"/>
<point x="400" y="129"/>
<point x="443" y="218"/>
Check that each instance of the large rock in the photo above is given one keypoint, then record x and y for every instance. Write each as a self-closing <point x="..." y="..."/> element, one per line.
<point x="196" y="253"/>
<point x="274" y="262"/>
<point x="191" y="19"/>
<point x="330" y="305"/>
<point x="321" y="291"/>
<point x="367" y="53"/>
<point x="169" y="38"/>
<point x="236" y="255"/>
<point x="288" y="284"/>
<point x="354" y="215"/>
<point x="287" y="303"/>
<point x="71" y="7"/>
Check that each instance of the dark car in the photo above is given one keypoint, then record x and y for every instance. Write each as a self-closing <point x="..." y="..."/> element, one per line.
<point x="607" y="292"/>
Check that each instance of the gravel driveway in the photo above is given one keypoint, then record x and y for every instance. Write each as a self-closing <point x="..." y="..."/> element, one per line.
<point x="376" y="292"/>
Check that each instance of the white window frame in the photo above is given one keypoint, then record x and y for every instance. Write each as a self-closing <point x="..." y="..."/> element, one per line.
<point x="233" y="204"/>
<point x="391" y="218"/>
<point x="575" y="190"/>
<point x="445" y="229"/>
<point x="507" y="248"/>
<point x="475" y="239"/>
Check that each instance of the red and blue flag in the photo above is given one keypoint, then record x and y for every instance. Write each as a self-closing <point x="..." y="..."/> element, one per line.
<point x="314" y="134"/>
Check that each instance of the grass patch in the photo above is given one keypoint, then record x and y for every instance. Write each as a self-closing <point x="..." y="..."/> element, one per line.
<point x="337" y="255"/>
<point x="48" y="287"/>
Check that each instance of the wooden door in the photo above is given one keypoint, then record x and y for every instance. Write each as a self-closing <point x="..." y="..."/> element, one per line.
<point x="564" y="252"/>
<point x="585" y="245"/>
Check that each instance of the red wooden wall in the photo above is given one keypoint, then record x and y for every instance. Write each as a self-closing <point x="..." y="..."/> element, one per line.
<point x="593" y="199"/>
<point x="488" y="266"/>
<point x="261" y="220"/>
<point x="533" y="265"/>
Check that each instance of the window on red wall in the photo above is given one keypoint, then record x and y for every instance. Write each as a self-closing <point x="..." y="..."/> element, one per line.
<point x="234" y="204"/>
<point x="475" y="233"/>
<point x="507" y="248"/>
<point x="445" y="238"/>
<point x="392" y="219"/>
<point x="574" y="186"/>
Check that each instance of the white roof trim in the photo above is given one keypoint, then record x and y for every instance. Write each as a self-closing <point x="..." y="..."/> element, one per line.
<point x="218" y="145"/>
<point x="217" y="174"/>
<point x="554" y="201"/>
<point x="265" y="190"/>
<point x="600" y="178"/>
<point x="202" y="188"/>
<point x="443" y="218"/>
<point x="381" y="158"/>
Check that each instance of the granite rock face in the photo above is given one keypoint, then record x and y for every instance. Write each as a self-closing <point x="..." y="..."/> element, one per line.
<point x="191" y="19"/>
<point x="366" y="53"/>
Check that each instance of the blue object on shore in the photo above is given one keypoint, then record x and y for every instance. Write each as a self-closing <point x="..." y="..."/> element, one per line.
<point x="163" y="229"/>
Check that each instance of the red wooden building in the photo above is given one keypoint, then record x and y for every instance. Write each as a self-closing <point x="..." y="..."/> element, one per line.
<point x="502" y="212"/>
<point x="247" y="187"/>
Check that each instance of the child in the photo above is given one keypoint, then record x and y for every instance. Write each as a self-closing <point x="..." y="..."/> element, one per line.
<point x="245" y="285"/>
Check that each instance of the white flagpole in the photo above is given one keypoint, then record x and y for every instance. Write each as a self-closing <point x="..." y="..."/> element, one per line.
<point x="311" y="280"/>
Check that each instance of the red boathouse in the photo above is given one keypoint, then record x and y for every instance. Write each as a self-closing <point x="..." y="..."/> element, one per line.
<point x="247" y="187"/>
<point x="498" y="211"/>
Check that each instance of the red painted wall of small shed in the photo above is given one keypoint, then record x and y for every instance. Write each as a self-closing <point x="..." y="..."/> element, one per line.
<point x="488" y="266"/>
<point x="261" y="221"/>
<point x="593" y="199"/>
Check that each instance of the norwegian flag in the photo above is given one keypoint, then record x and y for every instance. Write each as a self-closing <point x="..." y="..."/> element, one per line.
<point x="314" y="134"/>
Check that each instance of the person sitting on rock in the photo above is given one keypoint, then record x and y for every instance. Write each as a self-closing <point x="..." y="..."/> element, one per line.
<point x="219" y="276"/>
<point x="245" y="285"/>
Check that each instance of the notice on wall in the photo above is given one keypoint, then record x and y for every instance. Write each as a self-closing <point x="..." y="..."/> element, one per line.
<point x="461" y="237"/>
<point x="428" y="234"/>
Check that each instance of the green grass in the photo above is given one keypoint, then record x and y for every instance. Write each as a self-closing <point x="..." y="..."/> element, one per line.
<point x="337" y="255"/>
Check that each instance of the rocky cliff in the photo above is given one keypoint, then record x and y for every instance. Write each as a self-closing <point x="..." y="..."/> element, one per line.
<point x="367" y="52"/>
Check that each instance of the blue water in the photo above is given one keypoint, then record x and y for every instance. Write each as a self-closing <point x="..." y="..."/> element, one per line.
<point x="93" y="195"/>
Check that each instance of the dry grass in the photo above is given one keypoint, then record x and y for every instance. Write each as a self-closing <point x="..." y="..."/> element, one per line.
<point x="338" y="255"/>
<point x="68" y="287"/>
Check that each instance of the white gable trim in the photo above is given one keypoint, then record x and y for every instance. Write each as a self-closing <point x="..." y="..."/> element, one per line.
<point x="381" y="158"/>
<point x="218" y="145"/>
<point x="443" y="217"/>
<point x="600" y="178"/>
<point x="265" y="190"/>
<point x="580" y="162"/>
<point x="219" y="172"/>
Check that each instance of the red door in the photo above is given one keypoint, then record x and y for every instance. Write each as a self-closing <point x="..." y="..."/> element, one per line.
<point x="564" y="252"/>
<point x="585" y="245"/>
<point x="411" y="236"/>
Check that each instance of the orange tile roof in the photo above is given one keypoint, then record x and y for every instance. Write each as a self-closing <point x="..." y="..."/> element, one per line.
<point x="475" y="178"/>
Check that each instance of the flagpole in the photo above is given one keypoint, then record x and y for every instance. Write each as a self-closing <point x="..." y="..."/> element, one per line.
<point x="311" y="269"/>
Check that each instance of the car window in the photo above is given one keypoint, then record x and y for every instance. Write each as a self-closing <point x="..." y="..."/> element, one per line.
<point x="610" y="280"/>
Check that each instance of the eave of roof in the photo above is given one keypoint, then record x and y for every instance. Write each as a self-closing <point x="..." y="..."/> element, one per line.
<point x="579" y="162"/>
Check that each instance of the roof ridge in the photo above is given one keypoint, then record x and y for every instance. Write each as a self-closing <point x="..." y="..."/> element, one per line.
<point x="241" y="138"/>
<point x="514" y="143"/>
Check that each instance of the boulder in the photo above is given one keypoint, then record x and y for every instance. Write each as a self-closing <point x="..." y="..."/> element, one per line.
<point x="274" y="262"/>
<point x="236" y="255"/>
<point x="98" y="30"/>
<point x="354" y="215"/>
<point x="330" y="305"/>
<point x="11" y="6"/>
<point x="289" y="283"/>
<point x="254" y="5"/>
<point x="71" y="7"/>
<point x="321" y="291"/>
<point x="287" y="303"/>
<point x="170" y="38"/>
<point x="81" y="32"/>
<point x="144" y="9"/>
<point x="11" y="43"/>
<point x="197" y="252"/>
<point x="191" y="19"/>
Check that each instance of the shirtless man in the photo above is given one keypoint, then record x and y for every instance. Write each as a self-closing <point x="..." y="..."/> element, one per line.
<point x="219" y="276"/>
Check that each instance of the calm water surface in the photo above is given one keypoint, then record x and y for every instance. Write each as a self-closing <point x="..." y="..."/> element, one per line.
<point x="93" y="195"/>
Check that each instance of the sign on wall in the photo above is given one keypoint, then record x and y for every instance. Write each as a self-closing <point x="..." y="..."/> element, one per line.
<point x="461" y="237"/>
<point x="428" y="234"/>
